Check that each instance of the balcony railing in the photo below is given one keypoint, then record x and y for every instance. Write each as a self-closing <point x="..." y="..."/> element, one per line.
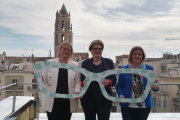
<point x="162" y="93"/>
<point x="32" y="87"/>
<point x="169" y="102"/>
<point x="18" y="88"/>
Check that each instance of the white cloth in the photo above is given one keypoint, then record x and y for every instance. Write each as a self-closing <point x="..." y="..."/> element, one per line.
<point x="134" y="105"/>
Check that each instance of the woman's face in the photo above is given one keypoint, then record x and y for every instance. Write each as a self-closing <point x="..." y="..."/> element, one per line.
<point x="65" y="51"/>
<point x="96" y="50"/>
<point x="137" y="56"/>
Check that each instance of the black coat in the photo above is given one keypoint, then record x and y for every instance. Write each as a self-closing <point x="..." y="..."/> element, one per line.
<point x="107" y="64"/>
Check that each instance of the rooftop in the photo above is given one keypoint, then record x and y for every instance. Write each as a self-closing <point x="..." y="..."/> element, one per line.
<point x="118" y="116"/>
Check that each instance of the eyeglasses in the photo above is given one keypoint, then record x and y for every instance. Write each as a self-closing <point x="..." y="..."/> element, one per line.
<point x="97" y="49"/>
<point x="39" y="66"/>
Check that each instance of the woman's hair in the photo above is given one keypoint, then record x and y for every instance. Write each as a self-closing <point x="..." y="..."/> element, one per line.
<point x="62" y="44"/>
<point x="134" y="49"/>
<point x="95" y="42"/>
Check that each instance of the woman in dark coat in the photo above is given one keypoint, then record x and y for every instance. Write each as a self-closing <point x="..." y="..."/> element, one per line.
<point x="93" y="101"/>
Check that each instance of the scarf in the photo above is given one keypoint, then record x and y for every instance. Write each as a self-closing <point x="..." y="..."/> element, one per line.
<point x="138" y="83"/>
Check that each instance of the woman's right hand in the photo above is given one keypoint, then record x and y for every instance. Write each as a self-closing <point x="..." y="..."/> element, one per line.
<point x="84" y="82"/>
<point x="36" y="79"/>
<point x="122" y="96"/>
<point x="79" y="97"/>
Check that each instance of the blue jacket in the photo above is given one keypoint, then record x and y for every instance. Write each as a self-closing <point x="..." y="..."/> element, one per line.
<point x="124" y="87"/>
<point x="107" y="64"/>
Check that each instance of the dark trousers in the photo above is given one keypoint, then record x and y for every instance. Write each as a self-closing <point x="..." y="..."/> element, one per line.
<point x="135" y="113"/>
<point x="60" y="111"/>
<point x="99" y="106"/>
<point x="60" y="116"/>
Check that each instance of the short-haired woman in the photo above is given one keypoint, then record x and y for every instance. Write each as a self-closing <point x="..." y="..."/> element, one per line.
<point x="133" y="86"/>
<point x="93" y="101"/>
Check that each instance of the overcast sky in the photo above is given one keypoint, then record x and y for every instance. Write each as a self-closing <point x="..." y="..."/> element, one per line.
<point x="120" y="24"/>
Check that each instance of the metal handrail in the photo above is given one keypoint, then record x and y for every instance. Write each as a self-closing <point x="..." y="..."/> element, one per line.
<point x="1" y="88"/>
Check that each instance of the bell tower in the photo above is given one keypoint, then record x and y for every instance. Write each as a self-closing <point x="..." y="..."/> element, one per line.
<point x="63" y="29"/>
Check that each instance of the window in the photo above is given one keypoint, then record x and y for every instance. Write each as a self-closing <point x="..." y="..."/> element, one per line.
<point x="34" y="86"/>
<point x="113" y="109"/>
<point x="68" y="25"/>
<point x="56" y="39"/>
<point x="69" y="38"/>
<point x="33" y="95"/>
<point x="62" y="38"/>
<point x="163" y="69"/>
<point x="158" y="102"/>
<point x="14" y="80"/>
<point x="63" y="25"/>
<point x="164" y="103"/>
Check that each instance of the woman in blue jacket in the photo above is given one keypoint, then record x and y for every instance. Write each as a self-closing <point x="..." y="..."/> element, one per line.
<point x="133" y="86"/>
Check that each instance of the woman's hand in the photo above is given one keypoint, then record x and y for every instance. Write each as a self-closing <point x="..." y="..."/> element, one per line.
<point x="122" y="96"/>
<point x="36" y="79"/>
<point x="84" y="82"/>
<point x="79" y="97"/>
<point x="105" y="82"/>
<point x="154" y="87"/>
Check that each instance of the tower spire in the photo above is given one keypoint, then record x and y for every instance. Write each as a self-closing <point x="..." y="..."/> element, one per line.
<point x="57" y="13"/>
<point x="63" y="28"/>
<point x="63" y="9"/>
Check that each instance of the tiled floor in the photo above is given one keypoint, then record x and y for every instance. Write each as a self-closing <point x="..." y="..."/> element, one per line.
<point x="117" y="116"/>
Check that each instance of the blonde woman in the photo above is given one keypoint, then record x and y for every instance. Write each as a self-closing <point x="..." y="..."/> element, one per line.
<point x="64" y="81"/>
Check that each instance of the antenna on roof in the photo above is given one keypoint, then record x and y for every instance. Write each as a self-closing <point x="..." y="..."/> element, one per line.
<point x="50" y="53"/>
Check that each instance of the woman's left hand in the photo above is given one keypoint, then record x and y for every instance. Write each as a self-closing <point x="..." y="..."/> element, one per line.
<point x="154" y="87"/>
<point x="105" y="82"/>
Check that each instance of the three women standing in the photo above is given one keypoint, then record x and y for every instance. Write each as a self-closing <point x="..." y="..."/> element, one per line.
<point x="93" y="102"/>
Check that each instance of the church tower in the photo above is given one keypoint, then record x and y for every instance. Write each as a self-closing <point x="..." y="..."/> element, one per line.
<point x="63" y="29"/>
